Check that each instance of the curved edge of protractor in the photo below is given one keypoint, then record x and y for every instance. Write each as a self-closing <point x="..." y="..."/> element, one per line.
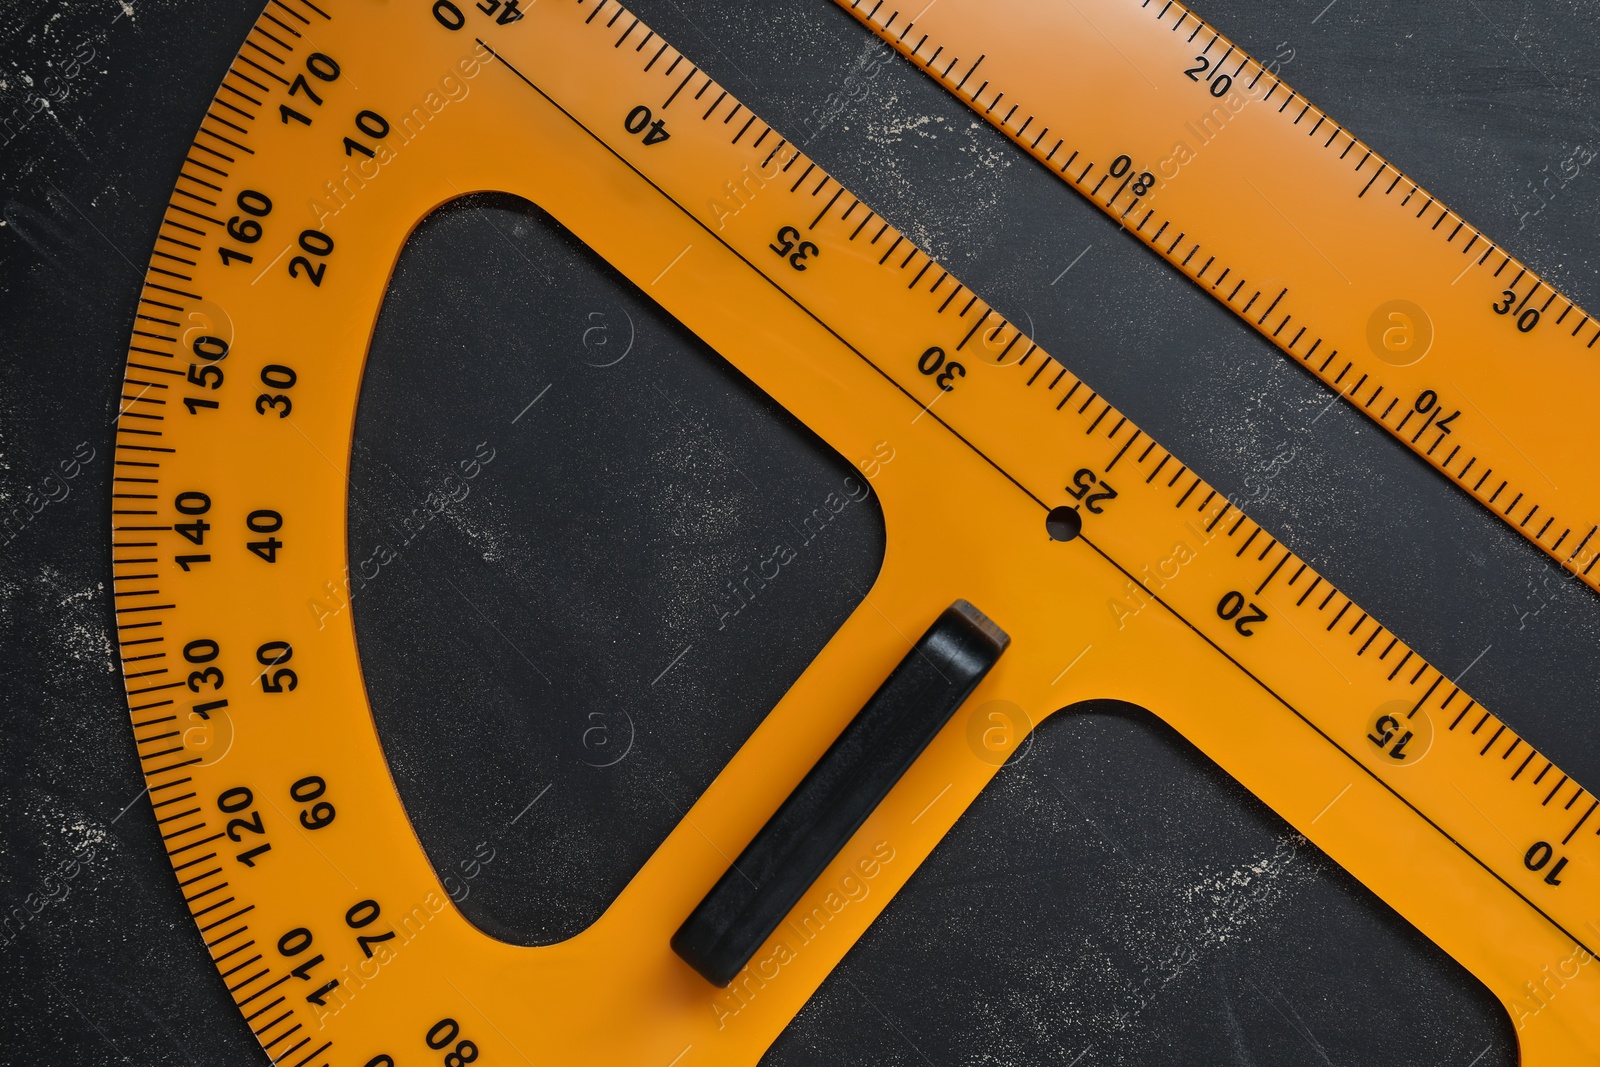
<point x="1316" y="241"/>
<point x="337" y="128"/>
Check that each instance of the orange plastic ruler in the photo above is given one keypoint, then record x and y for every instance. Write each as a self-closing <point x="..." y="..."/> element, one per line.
<point x="1298" y="227"/>
<point x="339" y="126"/>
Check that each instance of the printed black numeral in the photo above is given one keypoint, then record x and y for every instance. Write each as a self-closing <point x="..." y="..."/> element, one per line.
<point x="639" y="121"/>
<point x="796" y="251"/>
<point x="1232" y="608"/>
<point x="1083" y="480"/>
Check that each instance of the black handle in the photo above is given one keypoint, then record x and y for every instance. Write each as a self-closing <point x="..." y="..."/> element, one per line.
<point x="829" y="805"/>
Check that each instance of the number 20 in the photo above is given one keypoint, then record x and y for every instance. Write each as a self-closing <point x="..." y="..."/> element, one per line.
<point x="318" y="244"/>
<point x="1229" y="608"/>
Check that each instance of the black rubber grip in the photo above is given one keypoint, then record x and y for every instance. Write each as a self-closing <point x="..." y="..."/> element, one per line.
<point x="829" y="805"/>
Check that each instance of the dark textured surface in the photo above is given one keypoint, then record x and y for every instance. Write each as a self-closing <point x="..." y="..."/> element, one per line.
<point x="1113" y="898"/>
<point x="518" y="646"/>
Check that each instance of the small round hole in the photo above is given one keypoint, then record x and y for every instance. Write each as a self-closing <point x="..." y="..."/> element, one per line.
<point x="1063" y="523"/>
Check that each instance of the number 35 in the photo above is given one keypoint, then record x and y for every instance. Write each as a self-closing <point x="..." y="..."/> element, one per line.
<point x="797" y="253"/>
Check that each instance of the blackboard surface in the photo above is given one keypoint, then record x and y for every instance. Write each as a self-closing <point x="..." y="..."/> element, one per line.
<point x="1112" y="898"/>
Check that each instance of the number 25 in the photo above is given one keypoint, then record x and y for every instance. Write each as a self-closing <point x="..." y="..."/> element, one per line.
<point x="1083" y="481"/>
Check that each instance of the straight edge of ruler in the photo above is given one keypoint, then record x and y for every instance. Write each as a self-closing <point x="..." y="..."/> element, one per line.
<point x="1502" y="730"/>
<point x="160" y="295"/>
<point x="1581" y="562"/>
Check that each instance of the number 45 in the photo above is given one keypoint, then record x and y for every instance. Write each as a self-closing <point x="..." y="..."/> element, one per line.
<point x="511" y="13"/>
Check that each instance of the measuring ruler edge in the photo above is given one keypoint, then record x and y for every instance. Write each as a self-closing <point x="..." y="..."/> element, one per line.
<point x="158" y="294"/>
<point x="1578" y="563"/>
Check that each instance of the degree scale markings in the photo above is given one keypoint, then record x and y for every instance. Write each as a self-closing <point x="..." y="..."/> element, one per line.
<point x="1290" y="194"/>
<point x="1030" y="420"/>
<point x="223" y="920"/>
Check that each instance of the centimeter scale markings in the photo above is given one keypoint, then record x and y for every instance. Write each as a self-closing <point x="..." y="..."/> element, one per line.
<point x="274" y="804"/>
<point x="1315" y="240"/>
